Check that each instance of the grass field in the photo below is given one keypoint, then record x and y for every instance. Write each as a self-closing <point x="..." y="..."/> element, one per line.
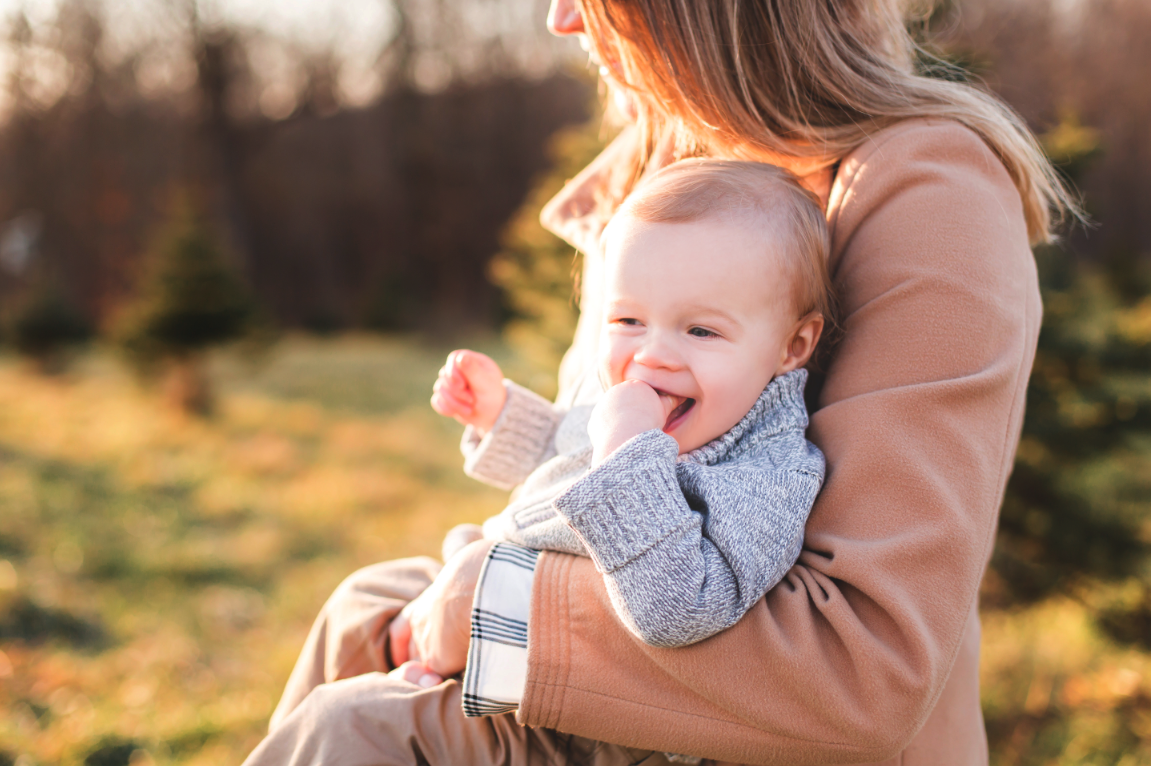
<point x="158" y="573"/>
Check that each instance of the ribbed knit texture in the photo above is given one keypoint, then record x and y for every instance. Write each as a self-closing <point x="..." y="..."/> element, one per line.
<point x="519" y="441"/>
<point x="686" y="543"/>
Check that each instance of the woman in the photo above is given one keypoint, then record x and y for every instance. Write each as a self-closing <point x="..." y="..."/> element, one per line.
<point x="868" y="651"/>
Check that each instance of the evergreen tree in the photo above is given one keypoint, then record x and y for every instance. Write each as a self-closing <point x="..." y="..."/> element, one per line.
<point x="1075" y="516"/>
<point x="190" y="300"/>
<point x="46" y="327"/>
<point x="1081" y="490"/>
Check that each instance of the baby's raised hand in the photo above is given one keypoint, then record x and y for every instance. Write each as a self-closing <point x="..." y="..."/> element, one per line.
<point x="470" y="388"/>
<point x="625" y="411"/>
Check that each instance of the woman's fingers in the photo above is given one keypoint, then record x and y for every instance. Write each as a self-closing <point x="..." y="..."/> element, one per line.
<point x="416" y="673"/>
<point x="414" y="650"/>
<point x="441" y="615"/>
<point x="458" y="537"/>
<point x="400" y="638"/>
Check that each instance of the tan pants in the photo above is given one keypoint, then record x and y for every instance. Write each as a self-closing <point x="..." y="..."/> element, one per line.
<point x="340" y="709"/>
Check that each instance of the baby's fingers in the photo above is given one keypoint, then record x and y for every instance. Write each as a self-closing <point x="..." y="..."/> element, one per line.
<point x="669" y="403"/>
<point x="479" y="370"/>
<point x="452" y="379"/>
<point x="449" y="405"/>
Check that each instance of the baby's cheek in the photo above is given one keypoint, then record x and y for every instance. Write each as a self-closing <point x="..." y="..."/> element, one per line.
<point x="612" y="362"/>
<point x="729" y="396"/>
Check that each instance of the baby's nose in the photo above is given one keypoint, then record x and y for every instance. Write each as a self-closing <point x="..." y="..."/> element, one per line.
<point x="657" y="351"/>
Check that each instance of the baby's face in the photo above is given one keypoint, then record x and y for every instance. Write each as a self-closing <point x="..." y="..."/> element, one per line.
<point x="701" y="311"/>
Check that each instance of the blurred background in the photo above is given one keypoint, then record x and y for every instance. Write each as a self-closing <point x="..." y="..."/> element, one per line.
<point x="237" y="238"/>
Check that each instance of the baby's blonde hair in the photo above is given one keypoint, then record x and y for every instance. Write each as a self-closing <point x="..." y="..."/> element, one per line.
<point x="695" y="189"/>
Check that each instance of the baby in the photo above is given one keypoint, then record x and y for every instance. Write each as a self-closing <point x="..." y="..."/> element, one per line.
<point x="689" y="482"/>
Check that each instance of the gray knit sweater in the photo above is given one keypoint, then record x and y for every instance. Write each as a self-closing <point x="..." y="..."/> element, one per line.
<point x="687" y="543"/>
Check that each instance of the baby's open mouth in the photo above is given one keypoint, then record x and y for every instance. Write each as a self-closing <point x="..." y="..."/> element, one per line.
<point x="678" y="412"/>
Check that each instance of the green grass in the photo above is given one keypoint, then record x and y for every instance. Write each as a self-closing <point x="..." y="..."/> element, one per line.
<point x="158" y="573"/>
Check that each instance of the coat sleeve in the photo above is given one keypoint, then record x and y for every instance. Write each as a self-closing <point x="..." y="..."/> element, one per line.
<point x="919" y="416"/>
<point x="678" y="573"/>
<point x="521" y="439"/>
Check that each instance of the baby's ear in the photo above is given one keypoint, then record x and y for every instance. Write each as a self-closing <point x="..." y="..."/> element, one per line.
<point x="804" y="338"/>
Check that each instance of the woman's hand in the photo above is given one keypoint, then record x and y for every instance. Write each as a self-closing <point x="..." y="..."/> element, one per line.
<point x="434" y="629"/>
<point x="458" y="538"/>
<point x="415" y="673"/>
<point x="470" y="388"/>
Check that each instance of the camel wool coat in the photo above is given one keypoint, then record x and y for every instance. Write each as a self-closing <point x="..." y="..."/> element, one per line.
<point x="868" y="650"/>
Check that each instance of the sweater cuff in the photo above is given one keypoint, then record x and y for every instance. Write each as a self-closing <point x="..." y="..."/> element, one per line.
<point x="512" y="449"/>
<point x="629" y="503"/>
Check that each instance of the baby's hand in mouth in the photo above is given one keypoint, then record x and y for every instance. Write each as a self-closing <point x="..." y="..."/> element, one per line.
<point x="626" y="411"/>
<point x="630" y="408"/>
<point x="670" y="402"/>
<point x="675" y="408"/>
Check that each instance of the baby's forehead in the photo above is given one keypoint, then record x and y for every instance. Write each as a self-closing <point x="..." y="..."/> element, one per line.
<point x="728" y="234"/>
<point x="762" y="208"/>
<point x="718" y="256"/>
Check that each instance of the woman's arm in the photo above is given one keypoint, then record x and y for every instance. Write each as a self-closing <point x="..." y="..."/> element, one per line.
<point x="920" y="413"/>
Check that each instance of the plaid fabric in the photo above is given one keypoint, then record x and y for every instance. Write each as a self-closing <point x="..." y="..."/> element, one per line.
<point x="498" y="653"/>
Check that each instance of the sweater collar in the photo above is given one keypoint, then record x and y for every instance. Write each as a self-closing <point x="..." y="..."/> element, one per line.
<point x="779" y="408"/>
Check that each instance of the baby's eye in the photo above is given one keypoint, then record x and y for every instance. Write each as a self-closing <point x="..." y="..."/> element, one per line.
<point x="701" y="332"/>
<point x="630" y="321"/>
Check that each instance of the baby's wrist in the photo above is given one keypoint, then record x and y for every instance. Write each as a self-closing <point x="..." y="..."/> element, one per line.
<point x="610" y="443"/>
<point x="483" y="423"/>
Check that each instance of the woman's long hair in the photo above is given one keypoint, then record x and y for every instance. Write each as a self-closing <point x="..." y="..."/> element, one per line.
<point x="806" y="80"/>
